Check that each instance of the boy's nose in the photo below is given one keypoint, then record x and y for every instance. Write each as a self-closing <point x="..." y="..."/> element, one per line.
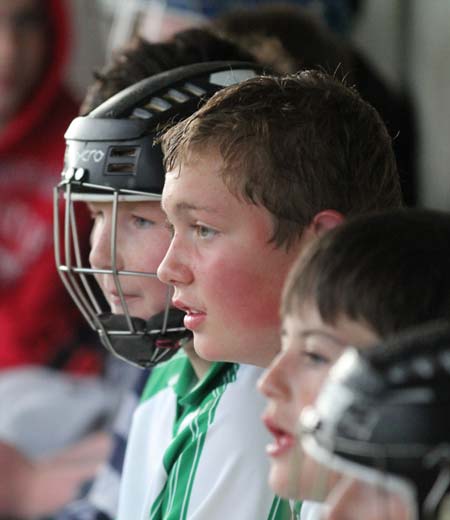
<point x="274" y="383"/>
<point x="173" y="269"/>
<point x="101" y="255"/>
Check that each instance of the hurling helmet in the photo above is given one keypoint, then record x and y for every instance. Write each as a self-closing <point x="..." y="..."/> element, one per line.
<point x="383" y="412"/>
<point x="111" y="156"/>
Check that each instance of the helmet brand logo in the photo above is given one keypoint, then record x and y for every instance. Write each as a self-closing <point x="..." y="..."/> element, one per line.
<point x="88" y="155"/>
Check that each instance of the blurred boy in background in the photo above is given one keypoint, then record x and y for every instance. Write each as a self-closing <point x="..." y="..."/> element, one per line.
<point x="360" y="284"/>
<point x="396" y="467"/>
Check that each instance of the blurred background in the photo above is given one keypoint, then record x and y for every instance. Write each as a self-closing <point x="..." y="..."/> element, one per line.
<point x="407" y="41"/>
<point x="60" y="391"/>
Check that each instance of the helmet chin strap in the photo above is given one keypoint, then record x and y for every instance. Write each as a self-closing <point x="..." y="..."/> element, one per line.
<point x="147" y="345"/>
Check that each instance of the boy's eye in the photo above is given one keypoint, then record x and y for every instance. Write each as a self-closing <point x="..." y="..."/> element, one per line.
<point x="142" y="223"/>
<point x="320" y="350"/>
<point x="204" y="231"/>
<point x="315" y="358"/>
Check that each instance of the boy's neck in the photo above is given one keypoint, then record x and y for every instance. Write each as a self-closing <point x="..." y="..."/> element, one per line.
<point x="199" y="365"/>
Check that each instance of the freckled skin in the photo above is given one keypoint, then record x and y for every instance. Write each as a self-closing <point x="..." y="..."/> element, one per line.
<point x="247" y="292"/>
<point x="235" y="276"/>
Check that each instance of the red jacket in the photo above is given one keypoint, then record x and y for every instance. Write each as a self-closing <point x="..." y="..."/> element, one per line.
<point x="39" y="324"/>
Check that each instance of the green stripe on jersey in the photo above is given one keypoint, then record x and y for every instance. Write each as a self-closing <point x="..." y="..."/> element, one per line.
<point x="280" y="510"/>
<point x="297" y="509"/>
<point x="194" y="418"/>
<point x="196" y="406"/>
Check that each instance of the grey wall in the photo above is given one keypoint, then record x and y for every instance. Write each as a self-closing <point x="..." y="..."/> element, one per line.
<point x="409" y="41"/>
<point x="90" y="32"/>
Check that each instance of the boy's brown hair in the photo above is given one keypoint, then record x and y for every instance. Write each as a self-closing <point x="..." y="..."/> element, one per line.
<point x="387" y="270"/>
<point x="297" y="145"/>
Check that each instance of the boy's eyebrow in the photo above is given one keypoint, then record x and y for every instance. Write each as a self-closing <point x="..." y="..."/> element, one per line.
<point x="317" y="332"/>
<point x="182" y="207"/>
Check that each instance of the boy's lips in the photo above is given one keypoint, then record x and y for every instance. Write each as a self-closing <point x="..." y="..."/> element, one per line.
<point x="114" y="298"/>
<point x="194" y="317"/>
<point x="283" y="441"/>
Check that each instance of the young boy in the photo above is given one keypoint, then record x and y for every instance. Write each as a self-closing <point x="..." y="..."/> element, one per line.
<point x="261" y="170"/>
<point x="360" y="283"/>
<point x="256" y="174"/>
<point x="395" y="467"/>
<point x="207" y="450"/>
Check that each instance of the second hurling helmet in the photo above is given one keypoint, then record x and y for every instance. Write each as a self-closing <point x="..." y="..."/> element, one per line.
<point x="382" y="417"/>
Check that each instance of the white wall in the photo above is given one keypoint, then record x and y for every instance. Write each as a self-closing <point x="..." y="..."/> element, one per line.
<point x="90" y="32"/>
<point x="376" y="33"/>
<point x="409" y="41"/>
<point x="429" y="73"/>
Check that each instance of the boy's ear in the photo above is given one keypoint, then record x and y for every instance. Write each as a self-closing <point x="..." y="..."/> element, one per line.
<point x="325" y="220"/>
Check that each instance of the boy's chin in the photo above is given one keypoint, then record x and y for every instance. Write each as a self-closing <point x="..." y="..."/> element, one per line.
<point x="211" y="349"/>
<point x="203" y="348"/>
<point x="299" y="479"/>
<point x="282" y="484"/>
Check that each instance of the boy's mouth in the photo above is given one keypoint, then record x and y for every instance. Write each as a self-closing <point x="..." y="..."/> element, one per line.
<point x="114" y="298"/>
<point x="194" y="317"/>
<point x="283" y="440"/>
<point x="184" y="307"/>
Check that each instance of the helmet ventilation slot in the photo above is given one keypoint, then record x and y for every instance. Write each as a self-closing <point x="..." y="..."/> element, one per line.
<point x="122" y="160"/>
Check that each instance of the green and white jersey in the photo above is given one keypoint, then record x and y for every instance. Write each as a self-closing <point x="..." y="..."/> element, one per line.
<point x="307" y="510"/>
<point x="197" y="448"/>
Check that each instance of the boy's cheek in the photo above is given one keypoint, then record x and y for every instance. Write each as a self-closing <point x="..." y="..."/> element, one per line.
<point x="246" y="297"/>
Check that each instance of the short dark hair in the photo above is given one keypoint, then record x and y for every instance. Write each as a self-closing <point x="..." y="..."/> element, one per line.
<point x="388" y="270"/>
<point x="140" y="59"/>
<point x="296" y="144"/>
<point x="287" y="37"/>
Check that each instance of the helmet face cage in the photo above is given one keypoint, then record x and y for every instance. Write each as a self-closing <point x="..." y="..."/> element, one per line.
<point x="380" y="418"/>
<point x="154" y="340"/>
<point x="111" y="157"/>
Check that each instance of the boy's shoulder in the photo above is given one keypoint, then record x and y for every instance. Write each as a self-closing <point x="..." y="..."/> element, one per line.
<point x="177" y="373"/>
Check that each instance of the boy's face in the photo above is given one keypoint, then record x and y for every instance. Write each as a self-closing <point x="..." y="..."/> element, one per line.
<point x="142" y="240"/>
<point x="293" y="380"/>
<point x="23" y="52"/>
<point x="226" y="275"/>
